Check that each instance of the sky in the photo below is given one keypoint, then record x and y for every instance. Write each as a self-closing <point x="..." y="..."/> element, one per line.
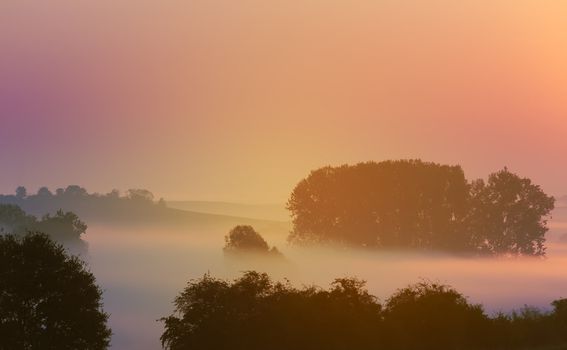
<point x="239" y="100"/>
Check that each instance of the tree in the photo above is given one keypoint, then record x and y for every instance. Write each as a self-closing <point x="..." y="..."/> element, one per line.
<point x="48" y="299"/>
<point x="14" y="219"/>
<point x="63" y="225"/>
<point x="75" y="191"/>
<point x="433" y="316"/>
<point x="253" y="313"/>
<point x="559" y="317"/>
<point x="44" y="192"/>
<point x="140" y="195"/>
<point x="21" y="192"/>
<point x="244" y="239"/>
<point x="508" y="215"/>
<point x="406" y="203"/>
<point x="414" y="204"/>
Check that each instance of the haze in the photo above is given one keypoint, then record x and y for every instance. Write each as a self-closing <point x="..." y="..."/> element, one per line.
<point x="141" y="274"/>
<point x="201" y="100"/>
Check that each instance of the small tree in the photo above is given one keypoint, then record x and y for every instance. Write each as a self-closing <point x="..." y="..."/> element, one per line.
<point x="21" y="192"/>
<point x="62" y="225"/>
<point x="140" y="195"/>
<point x="243" y="239"/>
<point x="48" y="299"/>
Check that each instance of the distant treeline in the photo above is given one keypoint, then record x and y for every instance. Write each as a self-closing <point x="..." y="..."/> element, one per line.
<point x="415" y="204"/>
<point x="61" y="226"/>
<point x="254" y="312"/>
<point x="135" y="203"/>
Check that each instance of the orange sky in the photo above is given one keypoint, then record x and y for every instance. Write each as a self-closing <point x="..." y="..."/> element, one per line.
<point x="238" y="100"/>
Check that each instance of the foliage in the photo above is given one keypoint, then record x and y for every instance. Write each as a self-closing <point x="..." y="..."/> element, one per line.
<point x="414" y="204"/>
<point x="63" y="226"/>
<point x="14" y="219"/>
<point x="137" y="204"/>
<point x="48" y="299"/>
<point x="244" y="239"/>
<point x="388" y="204"/>
<point x="253" y="312"/>
<point x="508" y="215"/>
<point x="436" y="316"/>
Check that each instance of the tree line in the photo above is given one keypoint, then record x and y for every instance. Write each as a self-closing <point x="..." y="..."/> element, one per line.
<point x="255" y="312"/>
<point x="416" y="204"/>
<point x="133" y="204"/>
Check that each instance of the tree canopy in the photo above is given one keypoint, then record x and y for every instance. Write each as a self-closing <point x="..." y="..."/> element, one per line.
<point x="508" y="215"/>
<point x="62" y="226"/>
<point x="253" y="312"/>
<point x="244" y="239"/>
<point x="48" y="299"/>
<point x="415" y="204"/>
<point x="436" y="316"/>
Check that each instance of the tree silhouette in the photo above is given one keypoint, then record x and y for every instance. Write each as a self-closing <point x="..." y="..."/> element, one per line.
<point x="388" y="204"/>
<point x="244" y="239"/>
<point x="253" y="312"/>
<point x="63" y="226"/>
<point x="44" y="192"/>
<point x="508" y="215"/>
<point x="140" y="195"/>
<point x="433" y="316"/>
<point x="14" y="219"/>
<point x="414" y="204"/>
<point x="21" y="192"/>
<point x="48" y="299"/>
<point x="135" y="205"/>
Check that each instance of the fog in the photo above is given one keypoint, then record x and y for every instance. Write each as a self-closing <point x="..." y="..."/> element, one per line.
<point x="142" y="270"/>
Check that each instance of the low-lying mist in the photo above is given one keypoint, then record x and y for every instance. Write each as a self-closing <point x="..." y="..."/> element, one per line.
<point x="142" y="270"/>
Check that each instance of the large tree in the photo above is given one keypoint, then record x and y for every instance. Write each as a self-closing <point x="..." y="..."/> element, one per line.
<point x="389" y="204"/>
<point x="48" y="299"/>
<point x="414" y="204"/>
<point x="508" y="215"/>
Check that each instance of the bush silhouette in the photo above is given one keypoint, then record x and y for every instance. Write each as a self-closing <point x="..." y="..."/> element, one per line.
<point x="48" y="299"/>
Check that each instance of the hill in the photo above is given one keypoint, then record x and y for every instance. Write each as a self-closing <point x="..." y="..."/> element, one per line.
<point x="272" y="212"/>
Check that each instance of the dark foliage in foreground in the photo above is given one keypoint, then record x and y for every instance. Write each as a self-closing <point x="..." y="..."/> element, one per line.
<point x="254" y="312"/>
<point x="48" y="299"/>
<point x="414" y="204"/>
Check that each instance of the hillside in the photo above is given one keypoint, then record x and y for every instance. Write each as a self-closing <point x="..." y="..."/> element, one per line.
<point x="275" y="212"/>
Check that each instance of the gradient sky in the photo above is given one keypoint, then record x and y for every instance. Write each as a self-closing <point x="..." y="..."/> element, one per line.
<point x="238" y="100"/>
